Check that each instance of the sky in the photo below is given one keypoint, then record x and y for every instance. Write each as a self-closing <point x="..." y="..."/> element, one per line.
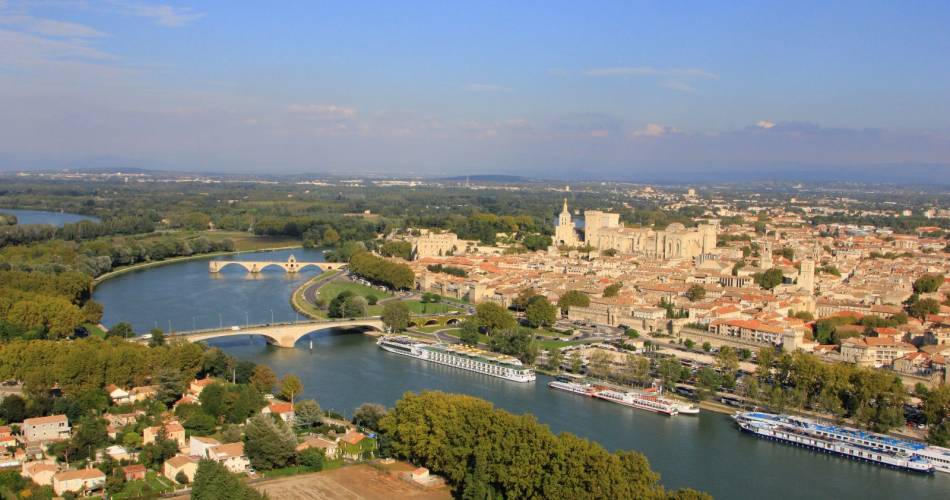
<point x="613" y="90"/>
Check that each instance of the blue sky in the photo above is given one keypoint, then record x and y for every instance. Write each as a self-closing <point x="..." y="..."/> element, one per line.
<point x="600" y="89"/>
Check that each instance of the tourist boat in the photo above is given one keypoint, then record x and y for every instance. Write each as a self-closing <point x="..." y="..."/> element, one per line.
<point x="687" y="409"/>
<point x="569" y="386"/>
<point x="844" y="441"/>
<point x="938" y="456"/>
<point x="647" y="400"/>
<point x="459" y="356"/>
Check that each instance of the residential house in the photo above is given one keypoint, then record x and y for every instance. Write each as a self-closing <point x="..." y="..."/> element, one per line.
<point x="39" y="472"/>
<point x="134" y="472"/>
<point x="78" y="481"/>
<point x="6" y="437"/>
<point x="329" y="447"/>
<point x="231" y="456"/>
<point x="173" y="431"/>
<point x="198" y="446"/>
<point x="280" y="408"/>
<point x="51" y="428"/>
<point x="198" y="385"/>
<point x="117" y="394"/>
<point x="181" y="463"/>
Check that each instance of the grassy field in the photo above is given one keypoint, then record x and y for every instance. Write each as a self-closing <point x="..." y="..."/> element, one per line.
<point x="245" y="241"/>
<point x="94" y="330"/>
<point x="330" y="290"/>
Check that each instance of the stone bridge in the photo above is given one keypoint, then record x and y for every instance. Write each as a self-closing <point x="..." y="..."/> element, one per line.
<point x="281" y="334"/>
<point x="255" y="266"/>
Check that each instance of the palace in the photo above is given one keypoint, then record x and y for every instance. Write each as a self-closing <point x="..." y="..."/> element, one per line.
<point x="603" y="231"/>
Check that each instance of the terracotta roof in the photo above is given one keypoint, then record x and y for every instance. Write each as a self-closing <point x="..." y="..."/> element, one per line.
<point x="46" y="420"/>
<point x="70" y="475"/>
<point x="179" y="461"/>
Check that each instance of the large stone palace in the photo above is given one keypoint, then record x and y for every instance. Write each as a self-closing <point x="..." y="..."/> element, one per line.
<point x="603" y="231"/>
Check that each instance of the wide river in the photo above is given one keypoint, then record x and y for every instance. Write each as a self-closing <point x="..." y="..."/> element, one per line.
<point x="42" y="217"/>
<point x="346" y="369"/>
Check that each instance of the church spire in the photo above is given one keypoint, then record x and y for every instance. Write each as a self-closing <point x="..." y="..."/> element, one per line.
<point x="564" y="210"/>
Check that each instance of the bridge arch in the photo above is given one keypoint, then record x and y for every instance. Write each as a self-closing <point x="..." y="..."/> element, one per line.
<point x="284" y="335"/>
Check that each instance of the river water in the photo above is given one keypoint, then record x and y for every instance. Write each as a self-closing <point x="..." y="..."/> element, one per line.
<point x="347" y="369"/>
<point x="57" y="219"/>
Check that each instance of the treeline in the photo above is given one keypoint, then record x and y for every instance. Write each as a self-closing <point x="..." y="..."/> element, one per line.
<point x="321" y="230"/>
<point x="799" y="380"/>
<point x="97" y="257"/>
<point x="484" y="227"/>
<point x="902" y="225"/>
<point x="75" y="231"/>
<point x="384" y="272"/>
<point x="41" y="305"/>
<point x="484" y="452"/>
<point x="91" y="364"/>
<point x="452" y="270"/>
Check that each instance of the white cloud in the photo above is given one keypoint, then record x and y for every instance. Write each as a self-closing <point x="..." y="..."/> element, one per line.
<point x="484" y="87"/>
<point x="649" y="71"/>
<point x="50" y="27"/>
<point x="678" y="85"/>
<point x="656" y="130"/>
<point x="764" y="124"/>
<point x="322" y="110"/>
<point x="163" y="15"/>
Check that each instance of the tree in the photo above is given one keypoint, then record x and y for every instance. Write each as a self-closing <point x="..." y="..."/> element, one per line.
<point x="540" y="312"/>
<point x="243" y="371"/>
<point x="157" y="339"/>
<point x="215" y="482"/>
<point x="170" y="386"/>
<point x="577" y="363"/>
<point x="122" y="330"/>
<point x="769" y="279"/>
<point x="707" y="346"/>
<point x="335" y="308"/>
<point x="921" y="308"/>
<point x="555" y="358"/>
<point x="354" y="307"/>
<point x="396" y="316"/>
<point x="572" y="298"/>
<point x="689" y="343"/>
<point x="727" y="360"/>
<point x="468" y="334"/>
<point x="269" y="443"/>
<point x="181" y="477"/>
<point x="307" y="415"/>
<point x="637" y="369"/>
<point x="599" y="363"/>
<point x="13" y="408"/>
<point x="928" y="283"/>
<point x="520" y="303"/>
<point x="312" y="459"/>
<point x="612" y="290"/>
<point x="492" y="317"/>
<point x="263" y="379"/>
<point x="200" y="423"/>
<point x="696" y="292"/>
<point x="290" y="387"/>
<point x="516" y="342"/>
<point x="368" y="415"/>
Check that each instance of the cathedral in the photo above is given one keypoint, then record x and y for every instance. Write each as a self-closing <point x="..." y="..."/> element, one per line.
<point x="603" y="231"/>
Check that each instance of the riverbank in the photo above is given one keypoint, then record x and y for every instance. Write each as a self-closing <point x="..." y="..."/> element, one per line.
<point x="155" y="263"/>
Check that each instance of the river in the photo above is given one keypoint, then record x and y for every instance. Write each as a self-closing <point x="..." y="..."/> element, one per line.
<point x="346" y="369"/>
<point x="57" y="219"/>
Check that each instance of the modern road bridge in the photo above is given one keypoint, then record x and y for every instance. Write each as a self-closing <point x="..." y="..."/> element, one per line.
<point x="280" y="334"/>
<point x="255" y="266"/>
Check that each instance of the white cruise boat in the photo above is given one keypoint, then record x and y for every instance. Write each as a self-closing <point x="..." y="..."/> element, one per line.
<point x="938" y="456"/>
<point x="458" y="356"/>
<point x="687" y="409"/>
<point x="643" y="400"/>
<point x="844" y="441"/>
<point x="569" y="386"/>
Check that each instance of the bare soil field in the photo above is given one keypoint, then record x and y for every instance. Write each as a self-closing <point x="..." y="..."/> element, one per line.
<point x="354" y="482"/>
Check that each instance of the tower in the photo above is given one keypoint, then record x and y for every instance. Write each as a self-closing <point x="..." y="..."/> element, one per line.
<point x="765" y="255"/>
<point x="564" y="233"/>
<point x="806" y="276"/>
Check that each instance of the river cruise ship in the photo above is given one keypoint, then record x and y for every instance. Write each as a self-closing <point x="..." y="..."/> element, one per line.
<point x="844" y="441"/>
<point x="459" y="356"/>
<point x="648" y="400"/>
<point x="566" y="385"/>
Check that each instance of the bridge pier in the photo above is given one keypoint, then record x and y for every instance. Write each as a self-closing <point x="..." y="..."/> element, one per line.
<point x="292" y="266"/>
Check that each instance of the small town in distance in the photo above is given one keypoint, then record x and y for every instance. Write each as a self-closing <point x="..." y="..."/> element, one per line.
<point x="802" y="317"/>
